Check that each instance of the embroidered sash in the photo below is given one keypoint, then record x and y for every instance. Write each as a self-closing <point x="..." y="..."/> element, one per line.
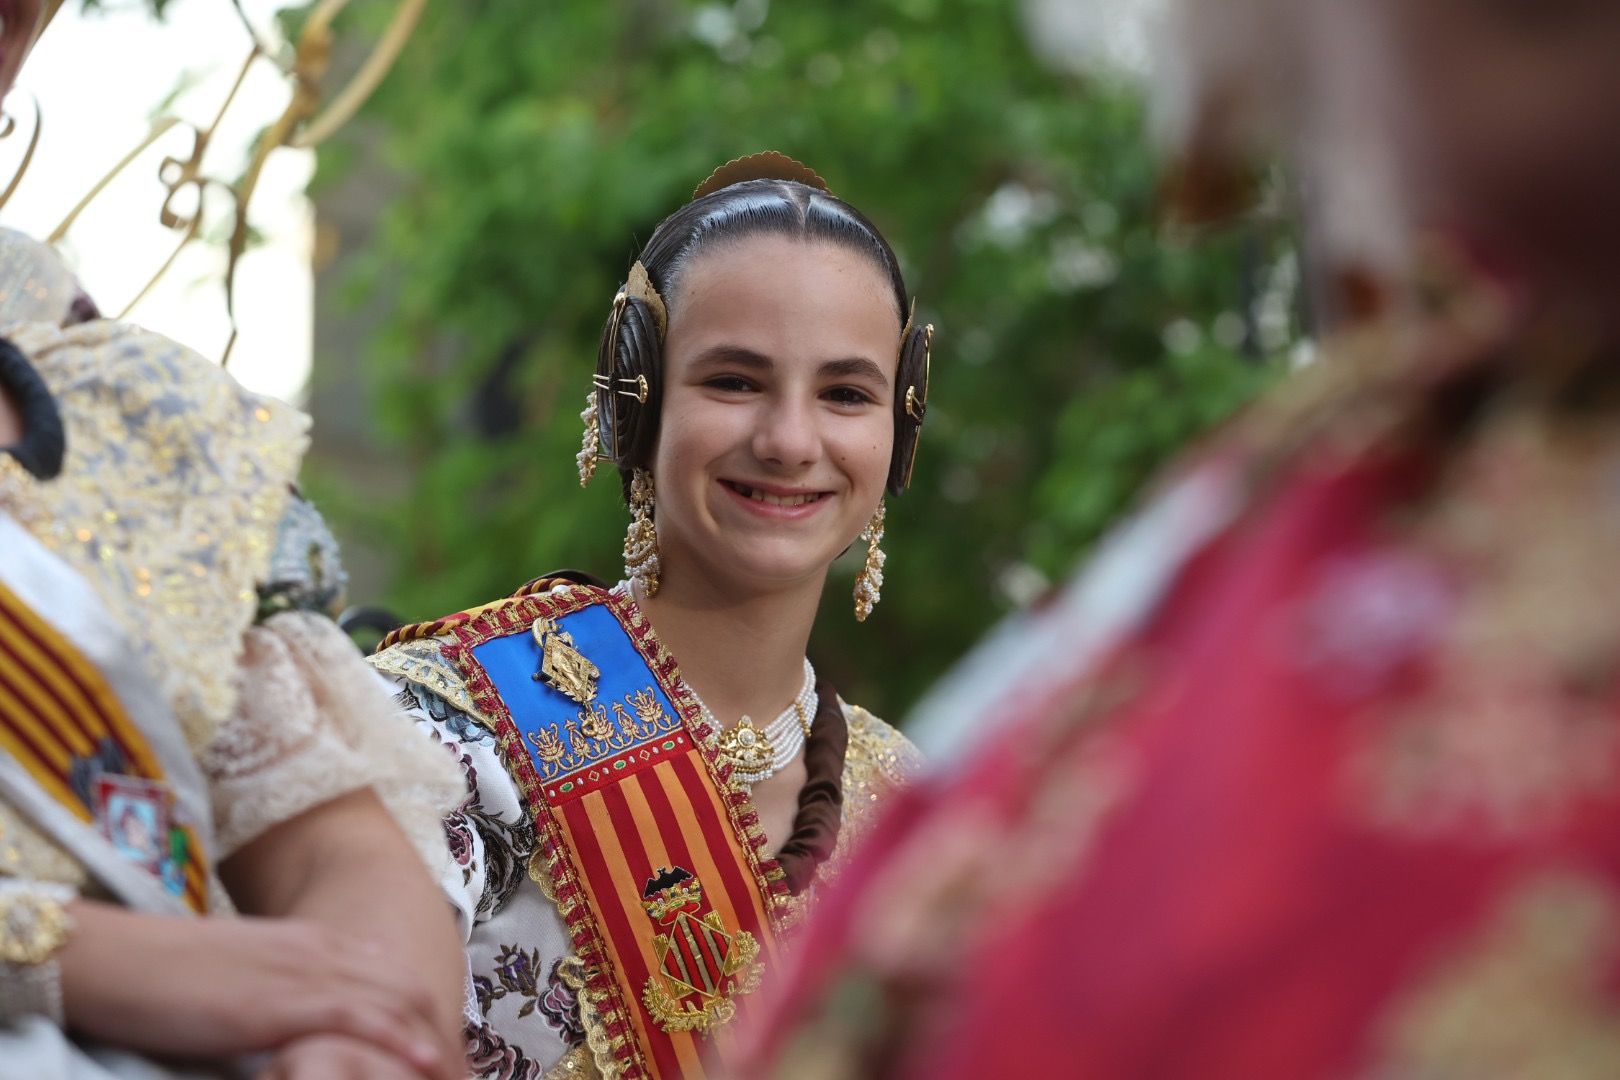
<point x="89" y="749"/>
<point x="657" y="866"/>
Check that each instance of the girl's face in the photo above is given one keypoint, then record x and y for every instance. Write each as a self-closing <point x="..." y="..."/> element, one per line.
<point x="777" y="422"/>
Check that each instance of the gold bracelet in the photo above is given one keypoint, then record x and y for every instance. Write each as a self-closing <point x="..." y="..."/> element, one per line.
<point x="34" y="924"/>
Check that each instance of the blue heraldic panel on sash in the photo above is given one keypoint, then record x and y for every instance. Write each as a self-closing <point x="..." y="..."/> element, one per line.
<point x="584" y="722"/>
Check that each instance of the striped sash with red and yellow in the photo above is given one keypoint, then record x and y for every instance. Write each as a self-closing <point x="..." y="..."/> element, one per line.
<point x="657" y="865"/>
<point x="63" y="723"/>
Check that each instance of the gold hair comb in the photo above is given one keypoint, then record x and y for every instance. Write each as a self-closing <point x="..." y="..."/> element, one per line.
<point x="768" y="165"/>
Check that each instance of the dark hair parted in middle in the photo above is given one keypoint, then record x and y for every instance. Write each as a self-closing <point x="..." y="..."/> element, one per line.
<point x="632" y="347"/>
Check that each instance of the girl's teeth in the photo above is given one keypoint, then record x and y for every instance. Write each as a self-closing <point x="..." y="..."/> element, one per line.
<point x="778" y="500"/>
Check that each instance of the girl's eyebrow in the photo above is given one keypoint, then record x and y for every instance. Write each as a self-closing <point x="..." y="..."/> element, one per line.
<point x="856" y="367"/>
<point x="734" y="354"/>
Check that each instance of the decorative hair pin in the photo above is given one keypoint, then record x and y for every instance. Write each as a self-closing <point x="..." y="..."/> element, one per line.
<point x="640" y="286"/>
<point x="769" y="165"/>
<point x="602" y="382"/>
<point x="917" y="404"/>
<point x="601" y="416"/>
<point x="917" y="400"/>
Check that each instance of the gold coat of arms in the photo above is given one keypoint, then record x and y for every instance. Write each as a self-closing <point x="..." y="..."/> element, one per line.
<point x="702" y="966"/>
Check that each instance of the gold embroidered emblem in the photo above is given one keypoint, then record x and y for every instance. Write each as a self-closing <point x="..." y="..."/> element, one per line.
<point x="595" y="724"/>
<point x="597" y="732"/>
<point x="702" y="966"/>
<point x="549" y="748"/>
<point x="651" y="719"/>
<point x="562" y="666"/>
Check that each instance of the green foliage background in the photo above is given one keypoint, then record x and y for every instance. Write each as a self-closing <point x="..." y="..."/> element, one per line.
<point x="1075" y="350"/>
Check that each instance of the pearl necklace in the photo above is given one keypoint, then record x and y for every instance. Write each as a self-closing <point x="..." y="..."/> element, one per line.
<point x="757" y="753"/>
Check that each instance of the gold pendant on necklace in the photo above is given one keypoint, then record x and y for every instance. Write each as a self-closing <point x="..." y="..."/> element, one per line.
<point x="747" y="748"/>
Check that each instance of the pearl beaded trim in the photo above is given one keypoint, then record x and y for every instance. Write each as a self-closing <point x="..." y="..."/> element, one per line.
<point x="757" y="753"/>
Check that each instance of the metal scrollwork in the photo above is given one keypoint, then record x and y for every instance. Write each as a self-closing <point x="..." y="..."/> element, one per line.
<point x="306" y="122"/>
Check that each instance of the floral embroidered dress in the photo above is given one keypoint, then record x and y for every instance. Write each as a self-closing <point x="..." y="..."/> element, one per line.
<point x="1315" y="772"/>
<point x="524" y="1010"/>
<point x="173" y="686"/>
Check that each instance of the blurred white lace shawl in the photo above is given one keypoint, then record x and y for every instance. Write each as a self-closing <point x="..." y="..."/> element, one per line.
<point x="174" y="495"/>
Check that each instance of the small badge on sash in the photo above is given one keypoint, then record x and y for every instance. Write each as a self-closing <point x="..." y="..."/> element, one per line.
<point x="137" y="816"/>
<point x="699" y="960"/>
<point x="562" y="666"/>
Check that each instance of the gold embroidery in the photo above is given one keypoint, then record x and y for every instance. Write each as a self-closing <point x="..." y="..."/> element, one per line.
<point x="651" y="716"/>
<point x="1525" y="997"/>
<point x="597" y="1041"/>
<point x="665" y="999"/>
<point x="25" y="852"/>
<point x="420" y="662"/>
<point x="577" y="1064"/>
<point x="594" y="733"/>
<point x="548" y="748"/>
<point x="175" y="481"/>
<point x="879" y="760"/>
<point x="695" y="982"/>
<point x="595" y="724"/>
<point x="1515" y="723"/>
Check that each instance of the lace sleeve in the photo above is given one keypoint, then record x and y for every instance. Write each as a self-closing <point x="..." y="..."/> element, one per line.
<point x="313" y="722"/>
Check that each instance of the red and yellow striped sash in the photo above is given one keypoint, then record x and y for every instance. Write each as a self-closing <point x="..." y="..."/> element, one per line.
<point x="658" y="866"/>
<point x="62" y="722"/>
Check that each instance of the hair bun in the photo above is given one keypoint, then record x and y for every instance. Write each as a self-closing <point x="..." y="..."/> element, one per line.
<point x="768" y="165"/>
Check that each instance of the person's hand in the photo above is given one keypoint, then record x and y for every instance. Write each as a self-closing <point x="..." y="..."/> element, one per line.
<point x="219" y="987"/>
<point x="336" y="1057"/>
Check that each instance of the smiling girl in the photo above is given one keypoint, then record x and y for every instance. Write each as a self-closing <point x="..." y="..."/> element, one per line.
<point x="659" y="757"/>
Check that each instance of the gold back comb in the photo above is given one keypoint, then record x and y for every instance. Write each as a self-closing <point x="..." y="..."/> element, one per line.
<point x="768" y="165"/>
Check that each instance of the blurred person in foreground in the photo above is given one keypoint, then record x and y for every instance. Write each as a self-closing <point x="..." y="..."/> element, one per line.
<point x="1315" y="772"/>
<point x="185" y="733"/>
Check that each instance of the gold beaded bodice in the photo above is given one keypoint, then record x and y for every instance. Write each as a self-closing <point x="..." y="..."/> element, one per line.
<point x="174" y="483"/>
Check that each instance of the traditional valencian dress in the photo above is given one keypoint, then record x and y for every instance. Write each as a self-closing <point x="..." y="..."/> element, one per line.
<point x="170" y="688"/>
<point x="619" y="906"/>
<point x="1315" y="772"/>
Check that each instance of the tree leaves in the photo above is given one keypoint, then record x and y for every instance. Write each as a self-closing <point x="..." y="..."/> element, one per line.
<point x="539" y="143"/>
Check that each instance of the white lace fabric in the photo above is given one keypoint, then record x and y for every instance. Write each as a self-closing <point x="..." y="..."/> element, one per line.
<point x="174" y="483"/>
<point x="313" y="723"/>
